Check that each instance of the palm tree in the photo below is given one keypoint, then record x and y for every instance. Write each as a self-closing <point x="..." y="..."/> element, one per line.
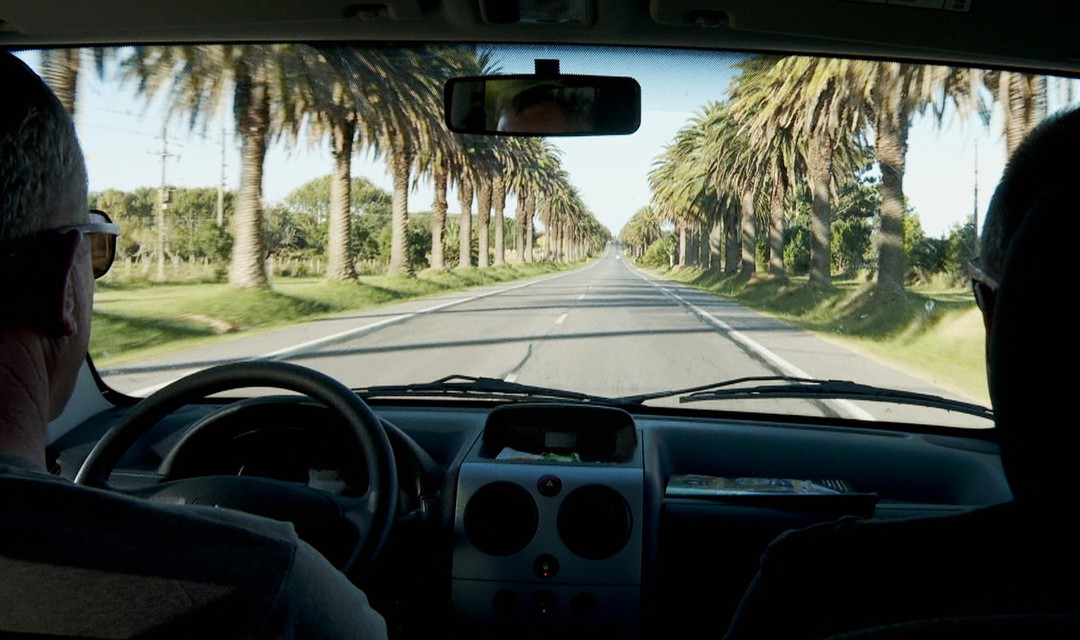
<point x="681" y="190"/>
<point x="330" y="101"/>
<point x="531" y="175"/>
<point x="811" y="99"/>
<point x="465" y="198"/>
<point x="771" y="161"/>
<point x="400" y="124"/>
<point x="60" y="69"/>
<point x="640" y="231"/>
<point x="199" y="80"/>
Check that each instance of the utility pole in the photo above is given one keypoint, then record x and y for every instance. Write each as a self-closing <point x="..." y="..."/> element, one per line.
<point x="221" y="185"/>
<point x="164" y="198"/>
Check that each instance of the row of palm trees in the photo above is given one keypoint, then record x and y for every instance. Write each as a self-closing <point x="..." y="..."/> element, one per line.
<point x="791" y="124"/>
<point x="379" y="100"/>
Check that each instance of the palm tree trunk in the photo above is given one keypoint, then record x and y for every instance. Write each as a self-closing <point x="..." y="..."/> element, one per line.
<point x="60" y="69"/>
<point x="483" y="219"/>
<point x="1024" y="98"/>
<point x="498" y="197"/>
<point x="401" y="162"/>
<point x="819" y="170"/>
<point x="248" y="268"/>
<point x="339" y="255"/>
<point x="519" y="225"/>
<point x="776" y="231"/>
<point x="891" y="151"/>
<point x="465" y="198"/>
<point x="682" y="244"/>
<point x="530" y="212"/>
<point x="438" y="216"/>
<point x="747" y="234"/>
<point x="732" y="246"/>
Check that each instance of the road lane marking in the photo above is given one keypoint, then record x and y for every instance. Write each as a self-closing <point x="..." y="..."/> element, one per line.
<point x="581" y="297"/>
<point x="511" y="377"/>
<point x="787" y="368"/>
<point x="285" y="353"/>
<point x="561" y="319"/>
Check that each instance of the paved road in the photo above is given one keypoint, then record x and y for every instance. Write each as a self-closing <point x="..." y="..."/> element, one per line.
<point x="606" y="329"/>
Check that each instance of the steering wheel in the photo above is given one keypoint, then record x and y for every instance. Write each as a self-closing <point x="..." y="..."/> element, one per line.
<point x="351" y="530"/>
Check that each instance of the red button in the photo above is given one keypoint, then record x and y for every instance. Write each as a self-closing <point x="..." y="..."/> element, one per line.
<point x="549" y="486"/>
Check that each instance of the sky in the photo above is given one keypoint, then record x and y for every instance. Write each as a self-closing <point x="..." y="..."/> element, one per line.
<point x="122" y="139"/>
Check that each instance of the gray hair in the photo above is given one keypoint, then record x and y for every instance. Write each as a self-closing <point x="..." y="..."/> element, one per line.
<point x="41" y="163"/>
<point x="1048" y="159"/>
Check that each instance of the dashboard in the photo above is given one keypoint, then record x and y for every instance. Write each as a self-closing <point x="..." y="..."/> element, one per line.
<point x="554" y="520"/>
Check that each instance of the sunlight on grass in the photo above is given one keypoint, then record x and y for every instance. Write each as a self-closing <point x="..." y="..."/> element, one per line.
<point x="934" y="334"/>
<point x="136" y="320"/>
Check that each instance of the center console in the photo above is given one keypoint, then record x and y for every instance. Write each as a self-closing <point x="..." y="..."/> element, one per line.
<point x="548" y="523"/>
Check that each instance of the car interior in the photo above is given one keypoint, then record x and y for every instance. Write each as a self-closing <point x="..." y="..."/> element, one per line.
<point x="466" y="508"/>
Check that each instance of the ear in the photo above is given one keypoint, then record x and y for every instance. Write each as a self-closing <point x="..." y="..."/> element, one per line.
<point x="58" y="303"/>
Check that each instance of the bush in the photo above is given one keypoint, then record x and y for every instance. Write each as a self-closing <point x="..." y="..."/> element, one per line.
<point x="797" y="250"/>
<point x="659" y="253"/>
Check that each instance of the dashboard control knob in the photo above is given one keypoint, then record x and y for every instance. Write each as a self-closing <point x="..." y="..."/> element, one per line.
<point x="549" y="485"/>
<point x="546" y="566"/>
<point x="545" y="603"/>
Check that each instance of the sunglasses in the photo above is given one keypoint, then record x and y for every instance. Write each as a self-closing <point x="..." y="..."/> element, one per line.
<point x="983" y="285"/>
<point x="101" y="231"/>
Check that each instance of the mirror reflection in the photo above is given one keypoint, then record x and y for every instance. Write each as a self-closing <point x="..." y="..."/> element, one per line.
<point x="532" y="105"/>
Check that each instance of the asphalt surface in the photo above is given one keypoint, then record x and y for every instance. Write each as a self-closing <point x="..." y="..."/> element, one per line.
<point x="606" y="329"/>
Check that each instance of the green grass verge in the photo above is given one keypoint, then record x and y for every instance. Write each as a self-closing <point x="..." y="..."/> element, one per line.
<point x="134" y="320"/>
<point x="934" y="334"/>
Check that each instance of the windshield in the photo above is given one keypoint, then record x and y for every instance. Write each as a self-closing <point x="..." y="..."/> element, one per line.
<point x="773" y="217"/>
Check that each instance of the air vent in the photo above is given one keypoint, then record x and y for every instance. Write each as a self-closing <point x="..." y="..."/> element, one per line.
<point x="594" y="522"/>
<point x="501" y="518"/>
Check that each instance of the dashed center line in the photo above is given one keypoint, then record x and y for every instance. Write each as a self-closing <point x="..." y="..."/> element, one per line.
<point x="561" y="319"/>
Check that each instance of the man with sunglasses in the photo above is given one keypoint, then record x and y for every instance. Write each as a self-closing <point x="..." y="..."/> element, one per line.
<point x="81" y="562"/>
<point x="1007" y="570"/>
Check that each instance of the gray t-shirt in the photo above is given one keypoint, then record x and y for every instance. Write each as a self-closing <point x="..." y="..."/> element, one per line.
<point x="81" y="562"/>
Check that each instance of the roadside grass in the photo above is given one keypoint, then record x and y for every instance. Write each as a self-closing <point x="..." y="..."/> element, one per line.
<point x="934" y="333"/>
<point x="139" y="319"/>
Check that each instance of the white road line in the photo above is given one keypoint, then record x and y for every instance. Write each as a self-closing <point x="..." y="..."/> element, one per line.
<point x="848" y="407"/>
<point x="581" y="297"/>
<point x="282" y="354"/>
<point x="511" y="377"/>
<point x="561" y="319"/>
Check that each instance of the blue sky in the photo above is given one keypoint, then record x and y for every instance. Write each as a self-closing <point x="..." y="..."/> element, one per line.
<point x="122" y="140"/>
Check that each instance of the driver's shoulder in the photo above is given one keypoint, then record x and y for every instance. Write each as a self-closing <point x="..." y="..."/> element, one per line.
<point x="53" y="508"/>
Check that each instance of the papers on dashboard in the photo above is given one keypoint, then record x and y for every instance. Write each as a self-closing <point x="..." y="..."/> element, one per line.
<point x="832" y="495"/>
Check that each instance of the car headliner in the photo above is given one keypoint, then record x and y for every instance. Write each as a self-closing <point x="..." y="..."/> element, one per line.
<point x="1036" y="34"/>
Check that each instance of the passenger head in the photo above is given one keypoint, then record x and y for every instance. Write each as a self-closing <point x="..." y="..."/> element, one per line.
<point x="1047" y="159"/>
<point x="1031" y="224"/>
<point x="46" y="279"/>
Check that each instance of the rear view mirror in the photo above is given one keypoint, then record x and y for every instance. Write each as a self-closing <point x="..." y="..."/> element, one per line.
<point x="546" y="104"/>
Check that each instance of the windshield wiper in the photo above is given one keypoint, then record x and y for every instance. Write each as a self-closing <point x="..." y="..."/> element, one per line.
<point x="477" y="387"/>
<point x="791" y="387"/>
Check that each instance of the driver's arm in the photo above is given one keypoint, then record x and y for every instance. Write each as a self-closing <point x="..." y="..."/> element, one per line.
<point x="318" y="601"/>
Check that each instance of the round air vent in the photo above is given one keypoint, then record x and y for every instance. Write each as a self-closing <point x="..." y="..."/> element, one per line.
<point x="594" y="522"/>
<point x="501" y="518"/>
